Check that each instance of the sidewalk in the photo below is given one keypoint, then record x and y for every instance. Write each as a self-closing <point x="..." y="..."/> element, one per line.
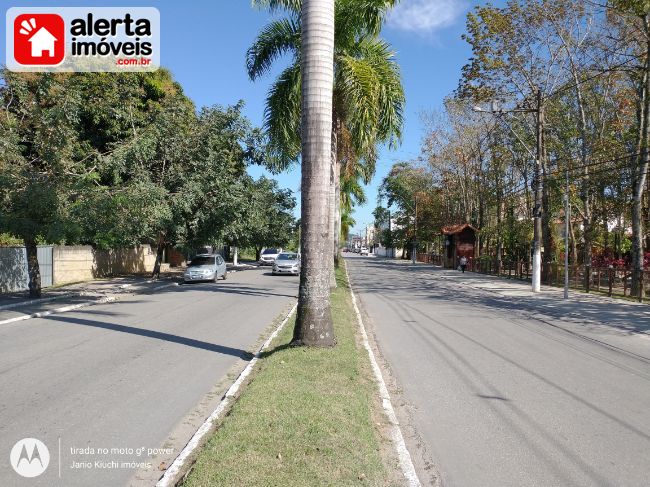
<point x="18" y="305"/>
<point x="588" y="309"/>
<point x="104" y="286"/>
<point x="15" y="305"/>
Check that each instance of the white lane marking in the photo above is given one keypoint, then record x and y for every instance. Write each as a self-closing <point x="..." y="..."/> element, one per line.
<point x="169" y="478"/>
<point x="408" y="469"/>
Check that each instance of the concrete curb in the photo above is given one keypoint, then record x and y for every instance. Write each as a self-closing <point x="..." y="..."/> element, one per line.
<point x="35" y="301"/>
<point x="62" y="296"/>
<point x="406" y="464"/>
<point x="171" y="476"/>
<point x="64" y="309"/>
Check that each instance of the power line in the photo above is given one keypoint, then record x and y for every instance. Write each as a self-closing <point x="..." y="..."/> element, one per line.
<point x="594" y="163"/>
<point x="597" y="75"/>
<point x="558" y="175"/>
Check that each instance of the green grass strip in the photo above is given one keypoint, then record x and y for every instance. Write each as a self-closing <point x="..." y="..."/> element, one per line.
<point x="305" y="419"/>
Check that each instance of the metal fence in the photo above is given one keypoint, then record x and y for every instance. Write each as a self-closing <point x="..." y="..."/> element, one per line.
<point x="13" y="268"/>
<point x="613" y="281"/>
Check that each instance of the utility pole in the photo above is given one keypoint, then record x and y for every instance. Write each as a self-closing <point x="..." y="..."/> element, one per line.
<point x="415" y="232"/>
<point x="537" y="211"/>
<point x="390" y="238"/>
<point x="567" y="219"/>
<point x="538" y="156"/>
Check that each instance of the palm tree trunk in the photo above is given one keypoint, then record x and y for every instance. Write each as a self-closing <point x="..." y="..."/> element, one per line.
<point x="337" y="193"/>
<point x="332" y="204"/>
<point x="314" y="318"/>
<point x="337" y="214"/>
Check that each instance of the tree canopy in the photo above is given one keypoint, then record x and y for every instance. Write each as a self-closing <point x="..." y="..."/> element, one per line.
<point x="115" y="160"/>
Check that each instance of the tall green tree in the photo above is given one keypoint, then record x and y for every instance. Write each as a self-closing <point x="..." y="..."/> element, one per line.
<point x="636" y="18"/>
<point x="115" y="160"/>
<point x="265" y="216"/>
<point x="41" y="160"/>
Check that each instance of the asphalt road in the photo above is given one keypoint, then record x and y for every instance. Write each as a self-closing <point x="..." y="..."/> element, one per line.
<point x="502" y="391"/>
<point x="138" y="373"/>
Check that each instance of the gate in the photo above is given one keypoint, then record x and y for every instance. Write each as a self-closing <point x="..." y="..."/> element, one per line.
<point x="13" y="268"/>
<point x="45" y="264"/>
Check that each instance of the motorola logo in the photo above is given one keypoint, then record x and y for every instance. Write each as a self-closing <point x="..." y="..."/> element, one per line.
<point x="29" y="457"/>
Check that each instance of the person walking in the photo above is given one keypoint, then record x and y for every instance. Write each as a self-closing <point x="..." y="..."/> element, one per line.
<point x="463" y="263"/>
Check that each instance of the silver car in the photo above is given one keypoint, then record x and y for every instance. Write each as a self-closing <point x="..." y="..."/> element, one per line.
<point x="206" y="267"/>
<point x="287" y="263"/>
<point x="269" y="255"/>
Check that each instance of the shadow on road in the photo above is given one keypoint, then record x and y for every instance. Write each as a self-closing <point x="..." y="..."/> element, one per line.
<point x="168" y="337"/>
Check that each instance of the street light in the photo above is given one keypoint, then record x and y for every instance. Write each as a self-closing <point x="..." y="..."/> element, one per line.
<point x="537" y="211"/>
<point x="414" y="250"/>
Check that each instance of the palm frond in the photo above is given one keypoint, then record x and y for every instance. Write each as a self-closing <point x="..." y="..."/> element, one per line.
<point x="356" y="97"/>
<point x="282" y="116"/>
<point x="347" y="222"/>
<point x="391" y="99"/>
<point x="276" y="39"/>
<point x="352" y="192"/>
<point x="275" y="5"/>
<point x="361" y="18"/>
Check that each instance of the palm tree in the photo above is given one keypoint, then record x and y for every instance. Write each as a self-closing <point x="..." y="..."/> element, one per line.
<point x="347" y="222"/>
<point x="368" y="97"/>
<point x="314" y="319"/>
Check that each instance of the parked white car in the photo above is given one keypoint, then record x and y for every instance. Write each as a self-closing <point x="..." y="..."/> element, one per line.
<point x="287" y="263"/>
<point x="364" y="251"/>
<point x="206" y="267"/>
<point x="269" y="255"/>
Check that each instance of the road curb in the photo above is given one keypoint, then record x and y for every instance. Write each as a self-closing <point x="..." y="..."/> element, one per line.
<point x="35" y="301"/>
<point x="63" y="309"/>
<point x="73" y="307"/>
<point x="62" y="296"/>
<point x="405" y="461"/>
<point x="172" y="474"/>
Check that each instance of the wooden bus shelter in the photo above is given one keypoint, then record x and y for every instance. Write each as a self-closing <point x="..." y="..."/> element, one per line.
<point x="460" y="241"/>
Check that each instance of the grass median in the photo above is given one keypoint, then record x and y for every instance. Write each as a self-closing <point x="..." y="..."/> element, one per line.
<point x="308" y="417"/>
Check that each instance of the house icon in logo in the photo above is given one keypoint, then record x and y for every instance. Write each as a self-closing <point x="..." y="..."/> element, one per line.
<point x="39" y="39"/>
<point x="42" y="41"/>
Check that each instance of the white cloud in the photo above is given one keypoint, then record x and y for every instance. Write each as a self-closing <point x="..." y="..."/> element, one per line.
<point x="425" y="16"/>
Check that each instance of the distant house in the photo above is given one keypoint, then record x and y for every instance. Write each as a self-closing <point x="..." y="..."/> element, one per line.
<point x="42" y="41"/>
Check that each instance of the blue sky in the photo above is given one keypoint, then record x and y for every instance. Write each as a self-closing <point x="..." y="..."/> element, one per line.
<point x="204" y="44"/>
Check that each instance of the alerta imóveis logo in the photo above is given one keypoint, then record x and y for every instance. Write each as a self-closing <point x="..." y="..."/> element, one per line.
<point x="83" y="39"/>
